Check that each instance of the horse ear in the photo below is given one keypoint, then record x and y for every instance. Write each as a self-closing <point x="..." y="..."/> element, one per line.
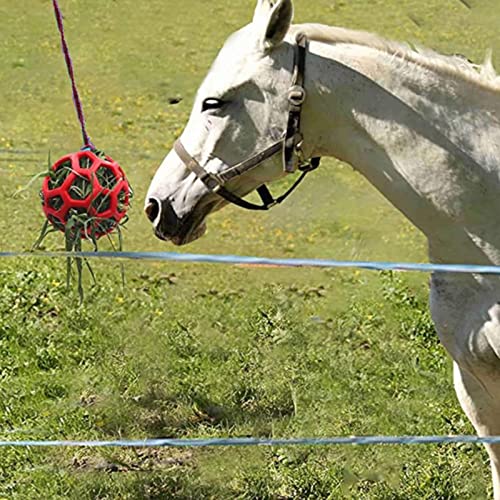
<point x="262" y="9"/>
<point x="273" y="19"/>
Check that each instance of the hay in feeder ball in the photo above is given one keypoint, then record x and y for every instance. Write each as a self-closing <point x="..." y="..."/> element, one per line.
<point x="86" y="195"/>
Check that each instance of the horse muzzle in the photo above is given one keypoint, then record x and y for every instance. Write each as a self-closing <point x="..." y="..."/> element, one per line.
<point x="169" y="227"/>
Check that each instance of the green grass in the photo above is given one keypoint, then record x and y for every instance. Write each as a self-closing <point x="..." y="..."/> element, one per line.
<point x="195" y="350"/>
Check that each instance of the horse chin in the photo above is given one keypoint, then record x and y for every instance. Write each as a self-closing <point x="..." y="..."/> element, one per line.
<point x="184" y="237"/>
<point x="190" y="228"/>
<point x="192" y="235"/>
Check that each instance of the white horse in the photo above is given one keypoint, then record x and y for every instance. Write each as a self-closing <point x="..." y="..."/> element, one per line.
<point x="423" y="128"/>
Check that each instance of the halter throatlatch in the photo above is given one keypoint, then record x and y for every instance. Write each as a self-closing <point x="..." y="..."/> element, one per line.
<point x="290" y="146"/>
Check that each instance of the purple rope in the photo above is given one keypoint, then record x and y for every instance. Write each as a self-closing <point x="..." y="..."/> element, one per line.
<point x="69" y="64"/>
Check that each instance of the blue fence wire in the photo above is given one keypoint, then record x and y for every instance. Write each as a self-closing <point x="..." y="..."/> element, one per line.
<point x="265" y="261"/>
<point x="211" y="442"/>
<point x="10" y="151"/>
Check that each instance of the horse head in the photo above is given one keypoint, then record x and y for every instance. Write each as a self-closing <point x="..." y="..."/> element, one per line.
<point x="236" y="130"/>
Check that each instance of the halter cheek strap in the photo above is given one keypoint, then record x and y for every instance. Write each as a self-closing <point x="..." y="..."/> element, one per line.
<point x="290" y="147"/>
<point x="296" y="98"/>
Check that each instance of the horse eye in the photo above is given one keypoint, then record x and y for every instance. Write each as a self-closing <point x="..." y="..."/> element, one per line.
<point x="211" y="103"/>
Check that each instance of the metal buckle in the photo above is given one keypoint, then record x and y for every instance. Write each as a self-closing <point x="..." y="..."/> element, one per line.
<point x="212" y="182"/>
<point x="296" y="95"/>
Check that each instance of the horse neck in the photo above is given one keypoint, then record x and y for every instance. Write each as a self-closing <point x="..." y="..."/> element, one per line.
<point x="429" y="142"/>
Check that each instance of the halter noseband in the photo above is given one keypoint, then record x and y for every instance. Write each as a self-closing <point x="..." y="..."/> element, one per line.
<point x="290" y="146"/>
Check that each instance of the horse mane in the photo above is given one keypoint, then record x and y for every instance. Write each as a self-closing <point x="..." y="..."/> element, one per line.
<point x="455" y="65"/>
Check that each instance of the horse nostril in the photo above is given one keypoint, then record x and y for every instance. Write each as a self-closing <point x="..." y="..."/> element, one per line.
<point x="152" y="209"/>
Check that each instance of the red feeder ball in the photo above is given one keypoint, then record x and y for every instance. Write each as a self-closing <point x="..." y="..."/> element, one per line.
<point x="90" y="187"/>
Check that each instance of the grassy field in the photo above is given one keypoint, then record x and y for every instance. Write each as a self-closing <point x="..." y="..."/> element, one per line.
<point x="195" y="351"/>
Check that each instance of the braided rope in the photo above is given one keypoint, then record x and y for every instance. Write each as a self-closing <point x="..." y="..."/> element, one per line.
<point x="69" y="65"/>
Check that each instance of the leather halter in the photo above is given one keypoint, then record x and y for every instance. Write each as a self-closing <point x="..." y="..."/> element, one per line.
<point x="290" y="146"/>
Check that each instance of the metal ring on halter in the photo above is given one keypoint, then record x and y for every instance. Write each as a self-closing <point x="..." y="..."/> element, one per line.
<point x="211" y="182"/>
